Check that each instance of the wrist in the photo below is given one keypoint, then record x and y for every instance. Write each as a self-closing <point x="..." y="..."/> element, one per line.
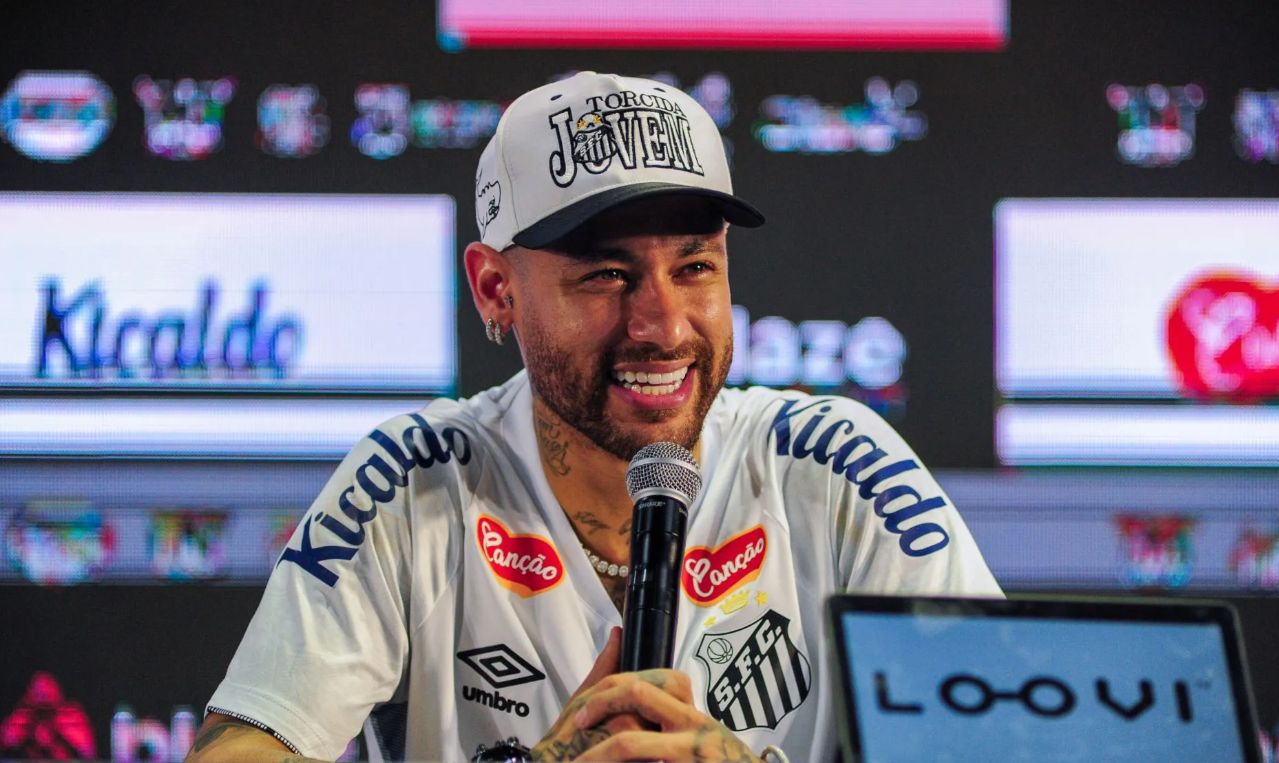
<point x="502" y="751"/>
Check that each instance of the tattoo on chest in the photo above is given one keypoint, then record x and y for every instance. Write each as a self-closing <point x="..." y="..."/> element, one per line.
<point x="553" y="446"/>
<point x="616" y="588"/>
<point x="590" y="523"/>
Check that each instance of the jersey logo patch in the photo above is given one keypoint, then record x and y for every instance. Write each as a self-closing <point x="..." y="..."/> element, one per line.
<point x="755" y="675"/>
<point x="501" y="666"/>
<point x="711" y="574"/>
<point x="525" y="564"/>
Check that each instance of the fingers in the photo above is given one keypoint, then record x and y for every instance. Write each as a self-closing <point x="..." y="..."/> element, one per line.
<point x="660" y="697"/>
<point x="674" y="682"/>
<point x="708" y="743"/>
<point x="636" y="745"/>
<point x="606" y="663"/>
<point x="628" y="722"/>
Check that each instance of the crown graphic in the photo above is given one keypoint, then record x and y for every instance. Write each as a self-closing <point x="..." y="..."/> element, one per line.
<point x="736" y="601"/>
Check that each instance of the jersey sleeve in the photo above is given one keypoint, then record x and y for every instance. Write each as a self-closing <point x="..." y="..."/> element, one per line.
<point x="894" y="530"/>
<point x="330" y="638"/>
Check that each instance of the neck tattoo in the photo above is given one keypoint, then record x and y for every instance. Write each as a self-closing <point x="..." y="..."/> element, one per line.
<point x="554" y="446"/>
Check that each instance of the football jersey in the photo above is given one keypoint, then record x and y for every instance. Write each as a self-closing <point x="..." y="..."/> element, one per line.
<point x="437" y="588"/>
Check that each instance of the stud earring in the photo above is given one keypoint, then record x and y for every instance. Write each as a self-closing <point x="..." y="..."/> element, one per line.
<point x="510" y="301"/>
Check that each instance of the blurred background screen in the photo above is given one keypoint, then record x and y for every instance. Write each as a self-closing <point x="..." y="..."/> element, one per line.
<point x="1041" y="239"/>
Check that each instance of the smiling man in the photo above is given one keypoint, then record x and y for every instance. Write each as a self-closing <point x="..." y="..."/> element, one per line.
<point x="459" y="582"/>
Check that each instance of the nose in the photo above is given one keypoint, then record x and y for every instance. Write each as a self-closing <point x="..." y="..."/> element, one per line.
<point x="658" y="315"/>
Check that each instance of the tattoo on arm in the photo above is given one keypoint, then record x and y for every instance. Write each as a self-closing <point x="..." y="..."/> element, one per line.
<point x="236" y="728"/>
<point x="580" y="741"/>
<point x="590" y="522"/>
<point x="554" y="448"/>
<point x="210" y="735"/>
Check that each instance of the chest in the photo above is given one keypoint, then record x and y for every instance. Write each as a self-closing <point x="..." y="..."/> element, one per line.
<point x="532" y="615"/>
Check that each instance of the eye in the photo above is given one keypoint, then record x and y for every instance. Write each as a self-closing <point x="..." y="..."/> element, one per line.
<point x="698" y="268"/>
<point x="608" y="275"/>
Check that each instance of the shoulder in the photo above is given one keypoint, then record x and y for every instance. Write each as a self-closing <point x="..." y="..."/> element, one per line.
<point x="447" y="436"/>
<point x="410" y="476"/>
<point x="797" y="426"/>
<point x="830" y="451"/>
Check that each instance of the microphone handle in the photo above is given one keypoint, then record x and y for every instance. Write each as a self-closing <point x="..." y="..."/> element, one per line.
<point x="652" y="591"/>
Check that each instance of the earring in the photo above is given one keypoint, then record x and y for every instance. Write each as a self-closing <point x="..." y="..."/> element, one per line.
<point x="493" y="331"/>
<point x="510" y="301"/>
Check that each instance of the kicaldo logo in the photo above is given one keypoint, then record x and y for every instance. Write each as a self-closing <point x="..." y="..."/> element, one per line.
<point x="1223" y="337"/>
<point x="525" y="564"/>
<point x="709" y="574"/>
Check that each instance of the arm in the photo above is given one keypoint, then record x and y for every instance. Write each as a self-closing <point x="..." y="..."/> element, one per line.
<point x="330" y="638"/>
<point x="223" y="739"/>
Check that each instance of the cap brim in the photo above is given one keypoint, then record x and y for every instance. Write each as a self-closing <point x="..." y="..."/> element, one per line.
<point x="558" y="225"/>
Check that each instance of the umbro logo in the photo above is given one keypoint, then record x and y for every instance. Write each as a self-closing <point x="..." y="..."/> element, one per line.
<point x="500" y="666"/>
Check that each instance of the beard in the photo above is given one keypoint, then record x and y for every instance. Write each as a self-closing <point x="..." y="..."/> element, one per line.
<point x="579" y="396"/>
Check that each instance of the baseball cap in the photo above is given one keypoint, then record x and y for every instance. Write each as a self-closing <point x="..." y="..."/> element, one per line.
<point x="567" y="151"/>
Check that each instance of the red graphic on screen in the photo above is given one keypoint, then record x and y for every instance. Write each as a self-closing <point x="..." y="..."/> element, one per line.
<point x="1157" y="549"/>
<point x="46" y="725"/>
<point x="1223" y="337"/>
<point x="1254" y="559"/>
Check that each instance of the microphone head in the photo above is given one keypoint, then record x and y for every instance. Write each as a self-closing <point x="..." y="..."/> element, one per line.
<point x="664" y="468"/>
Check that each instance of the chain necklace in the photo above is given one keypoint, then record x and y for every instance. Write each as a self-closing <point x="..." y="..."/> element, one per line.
<point x="605" y="567"/>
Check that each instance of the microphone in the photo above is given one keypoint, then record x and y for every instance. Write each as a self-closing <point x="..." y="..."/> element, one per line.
<point x="662" y="480"/>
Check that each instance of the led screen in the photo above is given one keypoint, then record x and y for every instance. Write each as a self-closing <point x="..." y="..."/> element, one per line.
<point x="926" y="24"/>
<point x="1137" y="331"/>
<point x="244" y="292"/>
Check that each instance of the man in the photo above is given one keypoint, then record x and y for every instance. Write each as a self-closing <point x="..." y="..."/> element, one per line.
<point x="459" y="580"/>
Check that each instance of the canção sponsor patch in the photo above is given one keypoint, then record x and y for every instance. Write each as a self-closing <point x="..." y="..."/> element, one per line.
<point x="525" y="564"/>
<point x="711" y="574"/>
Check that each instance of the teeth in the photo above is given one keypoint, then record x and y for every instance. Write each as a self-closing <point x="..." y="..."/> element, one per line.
<point x="646" y="383"/>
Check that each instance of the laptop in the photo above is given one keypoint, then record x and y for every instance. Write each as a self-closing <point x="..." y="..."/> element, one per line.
<point x="1041" y="679"/>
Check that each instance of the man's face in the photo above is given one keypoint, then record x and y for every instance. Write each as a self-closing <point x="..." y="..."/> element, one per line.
<point x="626" y="329"/>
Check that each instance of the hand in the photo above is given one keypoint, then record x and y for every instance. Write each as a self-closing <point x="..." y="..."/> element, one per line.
<point x="664" y="699"/>
<point x="565" y="740"/>
<point x="641" y="716"/>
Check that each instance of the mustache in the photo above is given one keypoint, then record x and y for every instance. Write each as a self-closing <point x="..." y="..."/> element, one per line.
<point x="697" y="350"/>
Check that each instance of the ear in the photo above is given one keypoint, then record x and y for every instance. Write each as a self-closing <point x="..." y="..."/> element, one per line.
<point x="489" y="274"/>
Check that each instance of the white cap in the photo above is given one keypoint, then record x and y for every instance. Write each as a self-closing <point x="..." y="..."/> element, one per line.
<point x="566" y="151"/>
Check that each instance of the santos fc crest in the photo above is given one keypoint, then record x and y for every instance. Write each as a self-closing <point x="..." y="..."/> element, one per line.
<point x="756" y="674"/>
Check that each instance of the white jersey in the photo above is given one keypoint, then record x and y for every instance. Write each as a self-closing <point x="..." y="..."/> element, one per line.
<point x="437" y="588"/>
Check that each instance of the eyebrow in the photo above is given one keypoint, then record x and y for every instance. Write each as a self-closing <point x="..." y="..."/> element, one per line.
<point x="690" y="248"/>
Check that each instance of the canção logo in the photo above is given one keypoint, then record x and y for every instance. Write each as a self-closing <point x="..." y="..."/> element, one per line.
<point x="525" y="564"/>
<point x="711" y="574"/>
<point x="1223" y="337"/>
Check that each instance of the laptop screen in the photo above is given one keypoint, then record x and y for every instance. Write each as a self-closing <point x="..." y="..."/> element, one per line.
<point x="1006" y="681"/>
